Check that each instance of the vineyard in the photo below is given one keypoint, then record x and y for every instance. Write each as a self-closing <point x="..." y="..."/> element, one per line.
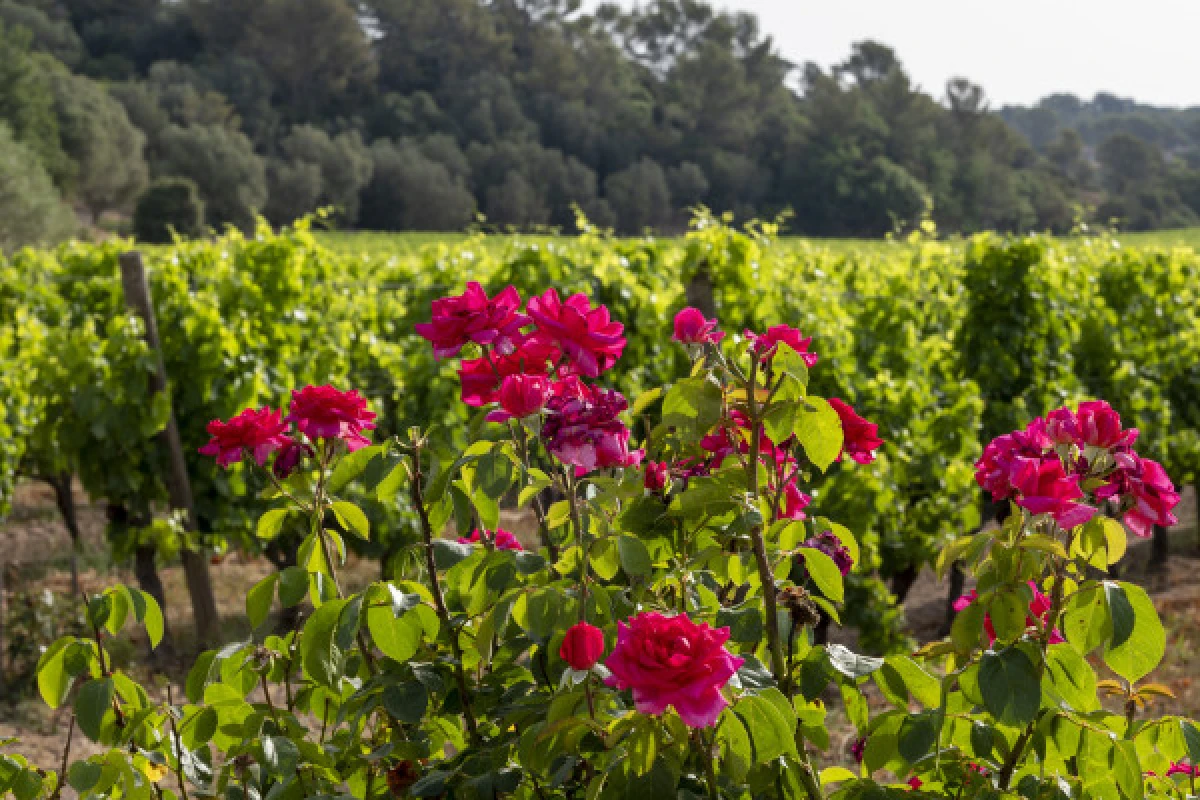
<point x="457" y="669"/>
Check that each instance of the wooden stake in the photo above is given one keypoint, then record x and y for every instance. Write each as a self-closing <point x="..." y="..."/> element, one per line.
<point x="179" y="488"/>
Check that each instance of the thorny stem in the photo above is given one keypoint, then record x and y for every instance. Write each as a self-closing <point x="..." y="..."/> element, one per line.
<point x="61" y="779"/>
<point x="439" y="602"/>
<point x="706" y="755"/>
<point x="178" y="743"/>
<point x="577" y="524"/>
<point x="808" y="777"/>
<point x="1056" y="602"/>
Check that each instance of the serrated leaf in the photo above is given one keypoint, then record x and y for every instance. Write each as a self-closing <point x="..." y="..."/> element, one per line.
<point x="824" y="573"/>
<point x="1138" y="641"/>
<point x="818" y="428"/>
<point x="352" y="518"/>
<point x="271" y="523"/>
<point x="1009" y="685"/>
<point x="350" y="466"/>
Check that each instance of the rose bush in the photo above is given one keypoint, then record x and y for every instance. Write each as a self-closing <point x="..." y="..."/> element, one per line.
<point x="657" y="639"/>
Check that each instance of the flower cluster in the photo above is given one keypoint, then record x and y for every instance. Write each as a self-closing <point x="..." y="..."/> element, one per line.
<point x="829" y="544"/>
<point x="532" y="364"/>
<point x="320" y="414"/>
<point x="1046" y="466"/>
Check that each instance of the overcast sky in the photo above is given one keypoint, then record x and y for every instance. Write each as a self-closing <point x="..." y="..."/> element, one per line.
<point x="1018" y="50"/>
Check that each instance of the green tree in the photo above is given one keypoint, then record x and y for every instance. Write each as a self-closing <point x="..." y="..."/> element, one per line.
<point x="31" y="211"/>
<point x="409" y="191"/>
<point x="222" y="163"/>
<point x="639" y="196"/>
<point x="315" y="169"/>
<point x="168" y="206"/>
<point x="27" y="101"/>
<point x="106" y="149"/>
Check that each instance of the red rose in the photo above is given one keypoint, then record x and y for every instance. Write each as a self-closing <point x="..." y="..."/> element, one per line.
<point x="501" y="539"/>
<point x="473" y="317"/>
<point x="582" y="646"/>
<point x="481" y="379"/>
<point x="323" y="412"/>
<point x="692" y="328"/>
<point x="764" y="345"/>
<point x="657" y="476"/>
<point x="588" y="336"/>
<point x="257" y="431"/>
<point x="860" y="439"/>
<point x="521" y="396"/>
<point x="672" y="661"/>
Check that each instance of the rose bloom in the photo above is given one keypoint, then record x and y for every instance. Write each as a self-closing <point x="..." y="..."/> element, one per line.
<point x="672" y="661"/>
<point x="501" y="539"/>
<point x="588" y="337"/>
<point x="323" y="412"/>
<point x="764" y="345"/>
<point x="692" y="328"/>
<point x="1011" y="458"/>
<point x="1144" y="484"/>
<point x="1048" y="490"/>
<point x="860" y="436"/>
<point x="521" y="396"/>
<point x="794" y="502"/>
<point x="257" y="431"/>
<point x="1100" y="426"/>
<point x="583" y="427"/>
<point x="472" y="317"/>
<point x="1182" y="768"/>
<point x="657" y="476"/>
<point x="582" y="646"/>
<point x="481" y="380"/>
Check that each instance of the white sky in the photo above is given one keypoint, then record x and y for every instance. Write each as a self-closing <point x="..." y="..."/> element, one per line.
<point x="1018" y="50"/>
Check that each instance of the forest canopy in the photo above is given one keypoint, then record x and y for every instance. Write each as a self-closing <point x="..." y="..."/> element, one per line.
<point x="427" y="114"/>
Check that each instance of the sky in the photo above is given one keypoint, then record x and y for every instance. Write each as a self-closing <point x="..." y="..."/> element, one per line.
<point x="1018" y="50"/>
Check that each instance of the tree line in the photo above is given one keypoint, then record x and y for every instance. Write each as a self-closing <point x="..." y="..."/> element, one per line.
<point x="427" y="114"/>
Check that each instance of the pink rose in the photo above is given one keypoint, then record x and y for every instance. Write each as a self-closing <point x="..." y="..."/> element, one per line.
<point x="794" y="502"/>
<point x="501" y="539"/>
<point x="1012" y="458"/>
<point x="692" y="328"/>
<point x="1144" y="485"/>
<point x="472" y="317"/>
<point x="586" y="335"/>
<point x="657" y="477"/>
<point x="764" y="345"/>
<point x="257" y="431"/>
<point x="1183" y="768"/>
<point x="672" y="661"/>
<point x="860" y="436"/>
<point x="1100" y="426"/>
<point x="481" y="379"/>
<point x="582" y="646"/>
<point x="323" y="412"/>
<point x="521" y="396"/>
<point x="583" y="427"/>
<point x="1047" y="489"/>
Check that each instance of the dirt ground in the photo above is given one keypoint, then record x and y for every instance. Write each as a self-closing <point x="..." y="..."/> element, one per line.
<point x="34" y="547"/>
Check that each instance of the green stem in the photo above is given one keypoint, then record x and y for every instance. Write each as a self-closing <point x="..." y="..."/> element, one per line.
<point x="577" y="524"/>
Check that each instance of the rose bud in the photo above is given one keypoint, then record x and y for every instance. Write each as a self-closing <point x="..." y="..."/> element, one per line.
<point x="657" y="477"/>
<point x="521" y="396"/>
<point x="582" y="646"/>
<point x="692" y="328"/>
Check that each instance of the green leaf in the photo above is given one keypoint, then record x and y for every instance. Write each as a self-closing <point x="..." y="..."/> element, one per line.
<point x="1191" y="737"/>
<point x="281" y="755"/>
<point x="352" y="518"/>
<point x="406" y="701"/>
<point x="558" y="514"/>
<point x="293" y="585"/>
<point x="772" y="733"/>
<point x="737" y="753"/>
<point x="91" y="704"/>
<point x="1138" y="641"/>
<point x="692" y="404"/>
<point x="147" y="611"/>
<point x="350" y="466"/>
<point x="320" y="655"/>
<point x="917" y="735"/>
<point x="538" y="612"/>
<point x="398" y="637"/>
<point x="745" y="624"/>
<point x="851" y="664"/>
<point x="819" y="431"/>
<point x="1086" y="619"/>
<point x="604" y="558"/>
<point x="635" y="558"/>
<point x="83" y="775"/>
<point x="53" y="679"/>
<point x="1009" y="684"/>
<point x="645" y="400"/>
<point x="270" y="523"/>
<point x="1071" y="678"/>
<point x="259" y="600"/>
<point x="901" y="676"/>
<point x="494" y="473"/>
<point x="1009" y="612"/>
<point x="824" y="573"/>
<point x="1127" y="769"/>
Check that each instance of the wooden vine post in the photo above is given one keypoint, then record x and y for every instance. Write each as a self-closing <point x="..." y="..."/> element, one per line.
<point x="179" y="488"/>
